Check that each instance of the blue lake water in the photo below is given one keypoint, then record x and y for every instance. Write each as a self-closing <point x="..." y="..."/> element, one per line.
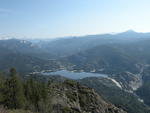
<point x="74" y="75"/>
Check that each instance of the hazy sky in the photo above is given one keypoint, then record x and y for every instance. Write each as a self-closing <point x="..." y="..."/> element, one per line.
<point x="56" y="18"/>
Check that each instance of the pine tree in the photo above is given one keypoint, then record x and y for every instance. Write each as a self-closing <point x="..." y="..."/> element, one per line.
<point x="35" y="93"/>
<point x="14" y="97"/>
<point x="1" y="88"/>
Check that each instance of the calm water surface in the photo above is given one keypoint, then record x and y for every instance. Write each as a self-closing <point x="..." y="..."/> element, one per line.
<point x="74" y="75"/>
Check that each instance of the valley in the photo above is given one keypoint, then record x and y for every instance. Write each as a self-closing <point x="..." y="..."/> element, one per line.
<point x="116" y="67"/>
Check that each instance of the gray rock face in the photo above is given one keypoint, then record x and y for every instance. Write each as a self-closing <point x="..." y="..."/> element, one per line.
<point x="70" y="97"/>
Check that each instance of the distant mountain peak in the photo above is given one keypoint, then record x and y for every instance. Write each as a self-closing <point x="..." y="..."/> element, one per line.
<point x="130" y="31"/>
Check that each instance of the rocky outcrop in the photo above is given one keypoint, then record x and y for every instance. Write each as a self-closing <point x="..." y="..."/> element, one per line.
<point x="129" y="82"/>
<point x="70" y="97"/>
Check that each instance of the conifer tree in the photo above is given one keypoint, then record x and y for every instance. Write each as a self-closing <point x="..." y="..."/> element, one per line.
<point x="35" y="93"/>
<point x="14" y="97"/>
<point x="1" y="88"/>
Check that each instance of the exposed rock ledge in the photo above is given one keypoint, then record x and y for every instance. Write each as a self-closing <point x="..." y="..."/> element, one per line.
<point x="70" y="97"/>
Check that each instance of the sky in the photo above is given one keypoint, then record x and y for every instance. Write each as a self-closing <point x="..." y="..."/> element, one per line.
<point x="59" y="18"/>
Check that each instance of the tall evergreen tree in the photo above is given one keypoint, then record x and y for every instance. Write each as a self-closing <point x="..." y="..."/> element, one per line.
<point x="14" y="97"/>
<point x="35" y="93"/>
<point x="32" y="92"/>
<point x="1" y="88"/>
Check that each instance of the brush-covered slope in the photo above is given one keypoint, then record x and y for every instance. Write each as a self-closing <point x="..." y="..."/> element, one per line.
<point x="103" y="59"/>
<point x="108" y="89"/>
<point x="23" y="62"/>
<point x="70" y="97"/>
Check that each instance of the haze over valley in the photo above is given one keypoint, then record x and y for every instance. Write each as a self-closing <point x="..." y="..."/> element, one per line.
<point x="74" y="56"/>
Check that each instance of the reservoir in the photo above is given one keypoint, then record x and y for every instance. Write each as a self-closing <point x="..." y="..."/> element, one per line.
<point x="74" y="75"/>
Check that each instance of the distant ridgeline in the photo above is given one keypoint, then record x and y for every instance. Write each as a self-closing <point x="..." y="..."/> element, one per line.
<point x="107" y="53"/>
